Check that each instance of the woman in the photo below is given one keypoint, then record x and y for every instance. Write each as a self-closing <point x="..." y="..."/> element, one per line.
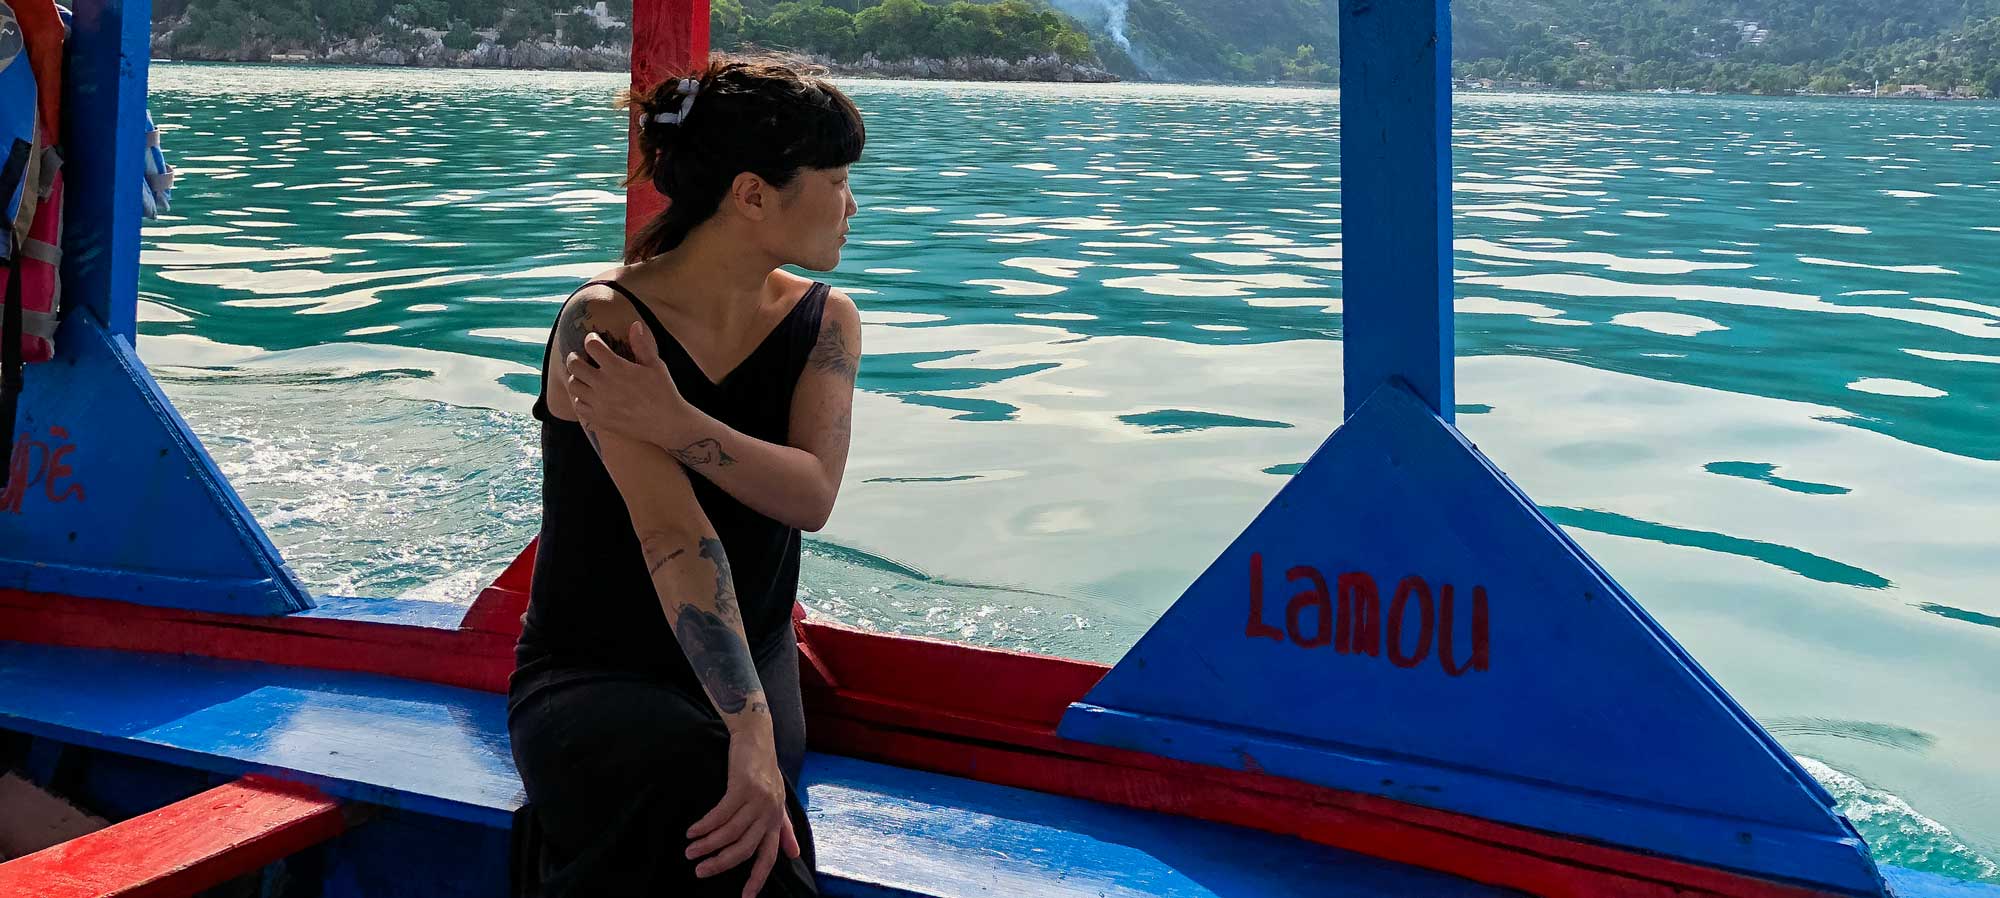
<point x="695" y="417"/>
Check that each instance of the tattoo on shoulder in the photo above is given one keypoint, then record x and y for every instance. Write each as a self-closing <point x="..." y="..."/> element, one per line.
<point x="703" y="452"/>
<point x="576" y="322"/>
<point x="720" y="657"/>
<point x="830" y="354"/>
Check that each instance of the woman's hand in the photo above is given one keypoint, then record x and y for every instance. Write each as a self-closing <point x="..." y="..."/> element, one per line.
<point x="751" y="820"/>
<point x="635" y="398"/>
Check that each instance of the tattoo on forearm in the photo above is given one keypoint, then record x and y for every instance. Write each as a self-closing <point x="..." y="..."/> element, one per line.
<point x="703" y="452"/>
<point x="721" y="658"/>
<point x="654" y="546"/>
<point x="843" y="426"/>
<point x="725" y="581"/>
<point x="830" y="353"/>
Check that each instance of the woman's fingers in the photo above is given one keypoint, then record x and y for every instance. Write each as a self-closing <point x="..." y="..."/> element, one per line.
<point x="767" y="855"/>
<point x="790" y="842"/>
<point x="725" y="834"/>
<point x="601" y="353"/>
<point x="645" y="350"/>
<point x="734" y="853"/>
<point x="723" y="811"/>
<point x="577" y="368"/>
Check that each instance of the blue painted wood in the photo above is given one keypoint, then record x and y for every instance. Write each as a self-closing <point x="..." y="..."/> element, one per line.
<point x="118" y="786"/>
<point x="120" y="500"/>
<point x="104" y="142"/>
<point x="1914" y="884"/>
<point x="888" y="831"/>
<point x="1395" y="195"/>
<point x="432" y="749"/>
<point x="403" y="855"/>
<point x="43" y="764"/>
<point x="439" y="752"/>
<point x="402" y="612"/>
<point x="1575" y="713"/>
<point x="442" y="751"/>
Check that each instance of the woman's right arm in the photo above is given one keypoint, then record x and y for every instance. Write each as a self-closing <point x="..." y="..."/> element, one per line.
<point x="697" y="593"/>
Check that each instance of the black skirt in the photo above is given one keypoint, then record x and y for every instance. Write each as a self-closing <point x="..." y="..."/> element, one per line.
<point x="617" y="765"/>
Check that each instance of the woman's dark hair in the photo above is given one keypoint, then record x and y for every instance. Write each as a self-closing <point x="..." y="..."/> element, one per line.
<point x="769" y="115"/>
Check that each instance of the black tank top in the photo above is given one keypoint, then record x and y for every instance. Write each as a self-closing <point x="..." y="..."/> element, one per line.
<point x="592" y="603"/>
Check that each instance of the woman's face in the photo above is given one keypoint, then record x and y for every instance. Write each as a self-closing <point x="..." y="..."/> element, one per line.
<point x="812" y="225"/>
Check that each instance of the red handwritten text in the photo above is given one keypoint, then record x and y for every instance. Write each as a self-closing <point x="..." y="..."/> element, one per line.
<point x="38" y="462"/>
<point x="1350" y="618"/>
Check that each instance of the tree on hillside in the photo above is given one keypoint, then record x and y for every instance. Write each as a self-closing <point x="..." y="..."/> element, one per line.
<point x="461" y="37"/>
<point x="580" y="30"/>
<point x="421" y="13"/>
<point x="965" y="29"/>
<point x="477" y="13"/>
<point x="1305" y="65"/>
<point x="898" y="29"/>
<point x="725" y="24"/>
<point x="526" y="23"/>
<point x="809" y="26"/>
<point x="1073" y="46"/>
<point x="344" y="18"/>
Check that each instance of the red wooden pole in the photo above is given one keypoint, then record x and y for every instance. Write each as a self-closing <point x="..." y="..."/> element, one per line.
<point x="669" y="39"/>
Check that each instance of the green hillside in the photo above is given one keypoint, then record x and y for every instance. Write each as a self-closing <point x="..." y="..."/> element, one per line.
<point x="1768" y="46"/>
<point x="1729" y="45"/>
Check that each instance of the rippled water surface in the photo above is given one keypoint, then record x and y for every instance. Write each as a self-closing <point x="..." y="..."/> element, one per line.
<point x="1747" y="350"/>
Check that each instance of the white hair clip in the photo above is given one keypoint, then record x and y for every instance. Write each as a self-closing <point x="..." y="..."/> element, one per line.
<point x="687" y="89"/>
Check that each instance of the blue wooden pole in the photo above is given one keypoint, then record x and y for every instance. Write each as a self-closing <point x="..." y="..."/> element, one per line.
<point x="1395" y="181"/>
<point x="104" y="98"/>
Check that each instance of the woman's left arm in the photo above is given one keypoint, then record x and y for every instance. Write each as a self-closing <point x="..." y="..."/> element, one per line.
<point x="793" y="484"/>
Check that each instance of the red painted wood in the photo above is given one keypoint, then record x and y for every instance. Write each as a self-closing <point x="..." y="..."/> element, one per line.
<point x="1150" y="790"/>
<point x="990" y="715"/>
<point x="1505" y="856"/>
<point x="182" y="848"/>
<point x="949" y="676"/>
<point x="499" y="607"/>
<point x="985" y="714"/>
<point x="669" y="40"/>
<point x="467" y="658"/>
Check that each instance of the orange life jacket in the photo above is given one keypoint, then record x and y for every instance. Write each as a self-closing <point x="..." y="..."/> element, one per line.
<point x="31" y="43"/>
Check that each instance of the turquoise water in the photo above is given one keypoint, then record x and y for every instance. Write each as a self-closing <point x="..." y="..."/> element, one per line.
<point x="1746" y="350"/>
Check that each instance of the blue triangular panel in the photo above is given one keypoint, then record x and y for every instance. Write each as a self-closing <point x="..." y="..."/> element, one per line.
<point x="1402" y="621"/>
<point x="113" y="497"/>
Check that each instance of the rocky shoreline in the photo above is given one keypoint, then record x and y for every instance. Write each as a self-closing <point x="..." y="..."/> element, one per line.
<point x="548" y="55"/>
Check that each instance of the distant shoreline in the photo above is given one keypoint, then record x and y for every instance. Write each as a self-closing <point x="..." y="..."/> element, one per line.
<point x="550" y="57"/>
<point x="883" y="74"/>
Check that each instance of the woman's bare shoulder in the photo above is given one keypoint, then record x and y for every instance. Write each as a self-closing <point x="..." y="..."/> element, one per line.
<point x="598" y="308"/>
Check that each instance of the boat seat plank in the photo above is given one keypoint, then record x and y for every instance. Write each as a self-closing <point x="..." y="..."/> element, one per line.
<point x="184" y="847"/>
<point x="427" y="748"/>
<point x="443" y="750"/>
<point x="881" y="830"/>
<point x="889" y="831"/>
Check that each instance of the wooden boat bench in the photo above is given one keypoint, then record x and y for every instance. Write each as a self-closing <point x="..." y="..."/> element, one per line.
<point x="183" y="848"/>
<point x="419" y="750"/>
